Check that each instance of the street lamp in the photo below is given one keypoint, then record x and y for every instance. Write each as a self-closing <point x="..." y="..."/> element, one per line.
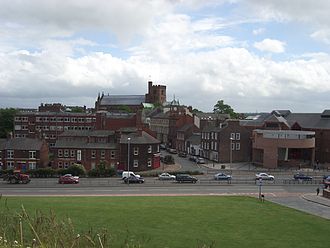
<point x="128" y="143"/>
<point x="231" y="150"/>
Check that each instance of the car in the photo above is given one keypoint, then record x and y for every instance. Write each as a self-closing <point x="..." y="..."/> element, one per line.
<point x="193" y="158"/>
<point x="222" y="176"/>
<point x="300" y="176"/>
<point x="326" y="177"/>
<point x="68" y="179"/>
<point x="264" y="176"/>
<point x="181" y="178"/>
<point x="134" y="179"/>
<point x="162" y="146"/>
<point x="200" y="161"/>
<point x="166" y="176"/>
<point x="182" y="154"/>
<point x="172" y="150"/>
<point x="131" y="173"/>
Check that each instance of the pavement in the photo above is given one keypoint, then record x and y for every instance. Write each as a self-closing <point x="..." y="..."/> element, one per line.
<point x="317" y="199"/>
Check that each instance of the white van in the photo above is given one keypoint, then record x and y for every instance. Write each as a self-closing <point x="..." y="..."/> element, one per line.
<point x="131" y="173"/>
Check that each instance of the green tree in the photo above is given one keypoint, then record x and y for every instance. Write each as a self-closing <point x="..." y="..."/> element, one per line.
<point x="6" y="121"/>
<point x="221" y="108"/>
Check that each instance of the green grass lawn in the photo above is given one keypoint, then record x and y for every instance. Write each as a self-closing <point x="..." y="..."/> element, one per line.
<point x="186" y="221"/>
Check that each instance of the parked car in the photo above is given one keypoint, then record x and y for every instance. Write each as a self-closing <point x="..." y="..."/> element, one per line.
<point x="162" y="146"/>
<point x="68" y="179"/>
<point x="264" y="176"/>
<point x="193" y="158"/>
<point x="300" y="176"/>
<point x="182" y="154"/>
<point x="181" y="178"/>
<point x="172" y="150"/>
<point x="166" y="176"/>
<point x="200" y="161"/>
<point x="222" y="176"/>
<point x="134" y="179"/>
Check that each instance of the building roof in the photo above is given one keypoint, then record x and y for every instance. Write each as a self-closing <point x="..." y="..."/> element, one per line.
<point x="144" y="138"/>
<point x="212" y="116"/>
<point x="305" y="120"/>
<point x="185" y="127"/>
<point x="86" y="133"/>
<point x="58" y="114"/>
<point x="195" y="139"/>
<point x="21" y="144"/>
<point x="83" y="145"/>
<point x="122" y="100"/>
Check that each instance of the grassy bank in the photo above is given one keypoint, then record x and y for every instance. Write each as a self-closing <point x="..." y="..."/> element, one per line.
<point x="184" y="221"/>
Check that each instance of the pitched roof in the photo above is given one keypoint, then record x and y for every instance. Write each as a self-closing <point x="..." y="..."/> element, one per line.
<point x="195" y="139"/>
<point x="87" y="133"/>
<point x="212" y="116"/>
<point x="185" y="127"/>
<point x="144" y="138"/>
<point x="22" y="144"/>
<point x="83" y="145"/>
<point x="122" y="100"/>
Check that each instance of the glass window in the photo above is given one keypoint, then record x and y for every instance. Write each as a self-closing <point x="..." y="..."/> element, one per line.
<point x="60" y="153"/>
<point x="113" y="154"/>
<point x="136" y="163"/>
<point x="32" y="165"/>
<point x="136" y="151"/>
<point x="66" y="153"/>
<point x="232" y="136"/>
<point x="102" y="154"/>
<point x="238" y="146"/>
<point x="78" y="155"/>
<point x="149" y="162"/>
<point x="238" y="136"/>
<point x="32" y="154"/>
<point x="72" y="153"/>
<point x="10" y="154"/>
<point x="149" y="149"/>
<point x="93" y="154"/>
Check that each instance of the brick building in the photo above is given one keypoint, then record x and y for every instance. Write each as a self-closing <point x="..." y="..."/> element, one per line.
<point x="229" y="142"/>
<point x="23" y="153"/>
<point x="50" y="124"/>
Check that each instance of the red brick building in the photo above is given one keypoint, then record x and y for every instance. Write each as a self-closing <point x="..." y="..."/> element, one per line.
<point x="23" y="153"/>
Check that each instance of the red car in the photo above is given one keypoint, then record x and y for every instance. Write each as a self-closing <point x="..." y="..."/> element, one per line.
<point x="68" y="179"/>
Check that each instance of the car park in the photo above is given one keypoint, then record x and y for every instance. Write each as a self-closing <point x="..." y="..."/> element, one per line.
<point x="303" y="177"/>
<point x="264" y="176"/>
<point x="134" y="179"/>
<point x="68" y="179"/>
<point x="222" y="176"/>
<point x="182" y="178"/>
<point x="166" y="176"/>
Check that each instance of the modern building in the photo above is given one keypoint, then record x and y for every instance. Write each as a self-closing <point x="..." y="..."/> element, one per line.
<point x="23" y="153"/>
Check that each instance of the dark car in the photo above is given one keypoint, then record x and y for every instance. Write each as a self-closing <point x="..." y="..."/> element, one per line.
<point x="68" y="179"/>
<point x="133" y="179"/>
<point x="182" y="154"/>
<point x="300" y="176"/>
<point x="182" y="178"/>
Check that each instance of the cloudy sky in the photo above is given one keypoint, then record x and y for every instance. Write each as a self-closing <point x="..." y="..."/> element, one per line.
<point x="256" y="55"/>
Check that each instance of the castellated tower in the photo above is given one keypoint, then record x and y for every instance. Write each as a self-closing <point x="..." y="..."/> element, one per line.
<point x="156" y="93"/>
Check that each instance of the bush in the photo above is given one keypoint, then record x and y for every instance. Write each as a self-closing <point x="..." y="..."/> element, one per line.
<point x="102" y="170"/>
<point x="42" y="172"/>
<point x="76" y="170"/>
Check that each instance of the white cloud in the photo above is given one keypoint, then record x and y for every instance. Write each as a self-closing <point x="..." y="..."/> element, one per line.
<point x="258" y="31"/>
<point x="322" y="35"/>
<point x="270" y="45"/>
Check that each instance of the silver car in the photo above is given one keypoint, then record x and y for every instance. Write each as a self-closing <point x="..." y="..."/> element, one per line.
<point x="166" y="176"/>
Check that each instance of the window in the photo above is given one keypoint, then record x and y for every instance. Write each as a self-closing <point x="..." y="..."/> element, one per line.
<point x="149" y="149"/>
<point x="78" y="155"/>
<point x="32" y="154"/>
<point x="60" y="164"/>
<point x="66" y="153"/>
<point x="232" y="146"/>
<point x="72" y="153"/>
<point x="32" y="165"/>
<point x="10" y="154"/>
<point x="113" y="154"/>
<point x="135" y="163"/>
<point x="66" y="165"/>
<point x="60" y="153"/>
<point x="93" y="154"/>
<point x="232" y="136"/>
<point x="136" y="151"/>
<point x="10" y="164"/>
<point x="149" y="162"/>
<point x="238" y="136"/>
<point x="238" y="146"/>
<point x="102" y="154"/>
<point x="215" y="135"/>
<point x="215" y="146"/>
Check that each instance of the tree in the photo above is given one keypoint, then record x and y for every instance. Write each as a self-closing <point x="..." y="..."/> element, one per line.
<point x="221" y="108"/>
<point x="6" y="121"/>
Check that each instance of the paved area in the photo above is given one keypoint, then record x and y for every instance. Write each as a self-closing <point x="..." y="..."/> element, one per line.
<point x="310" y="203"/>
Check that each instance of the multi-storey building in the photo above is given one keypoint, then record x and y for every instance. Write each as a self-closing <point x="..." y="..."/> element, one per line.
<point x="90" y="148"/>
<point x="229" y="142"/>
<point x="23" y="153"/>
<point x="49" y="125"/>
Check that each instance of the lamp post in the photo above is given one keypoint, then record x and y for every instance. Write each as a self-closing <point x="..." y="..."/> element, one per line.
<point x="128" y="146"/>
<point x="231" y="151"/>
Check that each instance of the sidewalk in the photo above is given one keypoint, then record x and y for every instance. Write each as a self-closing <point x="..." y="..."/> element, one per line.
<point x="319" y="199"/>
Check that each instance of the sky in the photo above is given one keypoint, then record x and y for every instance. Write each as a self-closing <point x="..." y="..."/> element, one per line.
<point x="256" y="55"/>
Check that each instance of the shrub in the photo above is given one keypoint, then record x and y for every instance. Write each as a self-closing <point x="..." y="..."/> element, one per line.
<point x="76" y="170"/>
